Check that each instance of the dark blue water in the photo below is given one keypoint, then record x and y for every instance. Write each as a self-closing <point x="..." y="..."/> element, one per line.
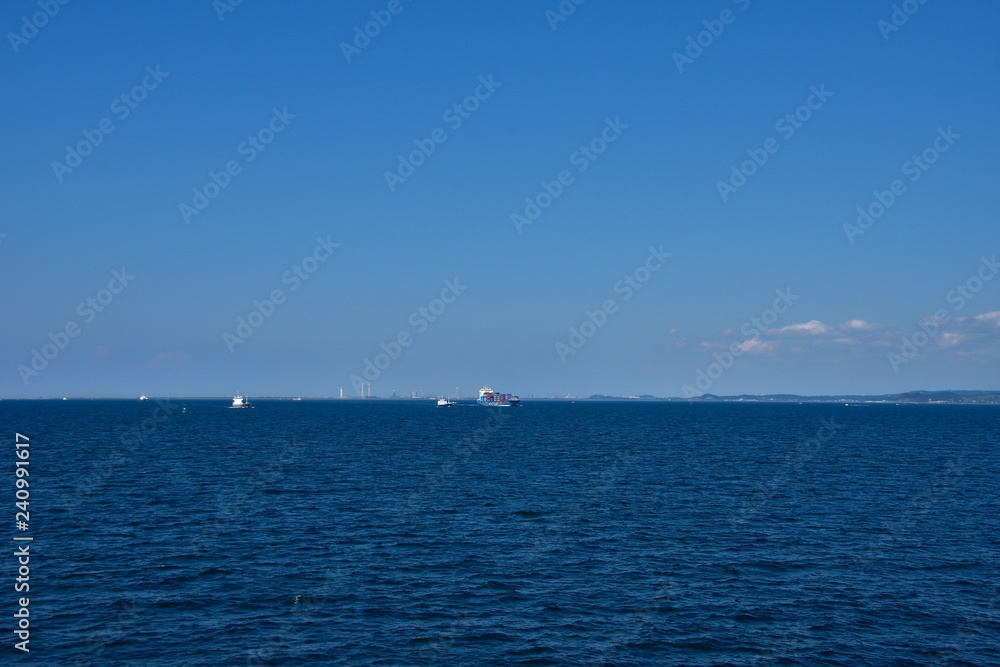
<point x="397" y="533"/>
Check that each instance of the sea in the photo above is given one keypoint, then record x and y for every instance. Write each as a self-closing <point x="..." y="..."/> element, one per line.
<point x="394" y="532"/>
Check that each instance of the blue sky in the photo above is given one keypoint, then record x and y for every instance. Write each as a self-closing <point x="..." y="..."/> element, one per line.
<point x="327" y="131"/>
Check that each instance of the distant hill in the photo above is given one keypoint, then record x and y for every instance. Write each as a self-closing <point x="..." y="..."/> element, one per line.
<point x="963" y="396"/>
<point x="949" y="397"/>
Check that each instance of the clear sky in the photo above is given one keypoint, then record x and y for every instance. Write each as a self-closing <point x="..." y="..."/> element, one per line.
<point x="322" y="152"/>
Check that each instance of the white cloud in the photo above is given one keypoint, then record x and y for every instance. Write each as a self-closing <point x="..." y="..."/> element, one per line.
<point x="858" y="325"/>
<point x="756" y="346"/>
<point x="949" y="339"/>
<point x="810" y="328"/>
<point x="985" y="324"/>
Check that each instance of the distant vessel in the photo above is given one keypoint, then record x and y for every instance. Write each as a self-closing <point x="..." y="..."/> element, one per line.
<point x="445" y="403"/>
<point x="296" y="399"/>
<point x="142" y="397"/>
<point x="240" y="402"/>
<point x="491" y="398"/>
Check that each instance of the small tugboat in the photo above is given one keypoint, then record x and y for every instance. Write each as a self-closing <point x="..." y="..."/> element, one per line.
<point x="445" y="403"/>
<point x="493" y="399"/>
<point x="240" y="402"/>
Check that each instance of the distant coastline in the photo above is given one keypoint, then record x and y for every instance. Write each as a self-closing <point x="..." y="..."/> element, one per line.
<point x="976" y="397"/>
<point x="954" y="397"/>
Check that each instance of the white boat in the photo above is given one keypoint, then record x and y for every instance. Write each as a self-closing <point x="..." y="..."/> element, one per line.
<point x="142" y="397"/>
<point x="445" y="403"/>
<point x="240" y="402"/>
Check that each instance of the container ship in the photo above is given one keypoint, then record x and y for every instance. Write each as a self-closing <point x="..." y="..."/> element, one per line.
<point x="493" y="399"/>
